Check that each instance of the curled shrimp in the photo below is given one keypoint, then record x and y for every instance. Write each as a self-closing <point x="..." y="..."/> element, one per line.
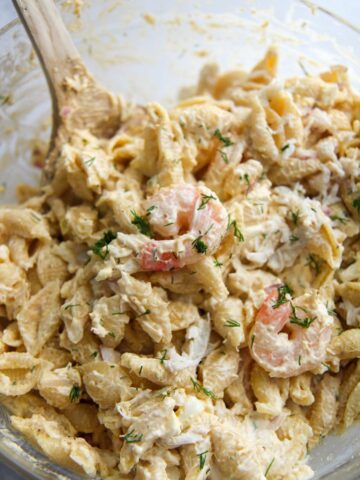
<point x="192" y="221"/>
<point x="291" y="337"/>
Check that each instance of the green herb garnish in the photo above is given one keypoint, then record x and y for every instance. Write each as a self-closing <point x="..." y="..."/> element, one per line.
<point x="356" y="204"/>
<point x="150" y="209"/>
<point x="163" y="357"/>
<point x="285" y="147"/>
<point x="294" y="238"/>
<point x="89" y="161"/>
<point x="217" y="263"/>
<point x="202" y="459"/>
<point x="72" y="305"/>
<point x="232" y="323"/>
<point x="225" y="140"/>
<point x="337" y="218"/>
<point x="132" y="437"/>
<point x="75" y="393"/>
<point x="301" y="322"/>
<point x="199" y="245"/>
<point x="295" y="217"/>
<point x="147" y="311"/>
<point x="224" y="156"/>
<point x="98" y="247"/>
<point x="269" y="466"/>
<point x="237" y="231"/>
<point x="205" y="199"/>
<point x="283" y="292"/>
<point x="142" y="224"/>
<point x="252" y="340"/>
<point x="201" y="389"/>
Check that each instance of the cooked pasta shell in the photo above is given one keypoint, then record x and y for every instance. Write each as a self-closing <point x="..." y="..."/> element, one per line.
<point x="350" y="291"/>
<point x="346" y="345"/>
<point x="106" y="383"/>
<point x="19" y="373"/>
<point x="323" y="412"/>
<point x="60" y="387"/>
<point x="39" y="318"/>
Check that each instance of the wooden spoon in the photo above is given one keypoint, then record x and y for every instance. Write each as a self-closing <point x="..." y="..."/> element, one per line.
<point x="78" y="101"/>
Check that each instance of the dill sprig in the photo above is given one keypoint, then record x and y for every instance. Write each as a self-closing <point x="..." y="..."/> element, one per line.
<point x="283" y="292"/>
<point x="98" y="247"/>
<point x="199" y="245"/>
<point x="237" y="231"/>
<point x="217" y="263"/>
<point x="142" y="224"/>
<point x="225" y="140"/>
<point x="301" y="322"/>
<point x="338" y="218"/>
<point x="202" y="459"/>
<point x="232" y="323"/>
<point x="205" y="199"/>
<point x="201" y="389"/>
<point x="89" y="161"/>
<point x="75" y="393"/>
<point x="163" y="357"/>
<point x="356" y="204"/>
<point x="132" y="437"/>
<point x="71" y="305"/>
<point x="295" y="216"/>
<point x="269" y="466"/>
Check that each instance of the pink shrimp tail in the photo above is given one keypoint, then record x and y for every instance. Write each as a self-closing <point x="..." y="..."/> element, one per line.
<point x="151" y="260"/>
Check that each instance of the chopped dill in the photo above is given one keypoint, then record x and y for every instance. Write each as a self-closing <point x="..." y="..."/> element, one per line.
<point x="98" y="247"/>
<point x="269" y="466"/>
<point x="132" y="437"/>
<point x="163" y="357"/>
<point x="75" y="393"/>
<point x="205" y="199"/>
<point x="225" y="140"/>
<point x="142" y="224"/>
<point x="89" y="161"/>
<point x="356" y="204"/>
<point x="217" y="263"/>
<point x="232" y="323"/>
<point x="302" y="322"/>
<point x="295" y="217"/>
<point x="71" y="305"/>
<point x="199" y="245"/>
<point x="201" y="389"/>
<point x="283" y="292"/>
<point x="237" y="231"/>
<point x="202" y="459"/>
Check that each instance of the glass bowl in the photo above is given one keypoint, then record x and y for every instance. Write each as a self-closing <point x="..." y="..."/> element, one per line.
<point x="149" y="51"/>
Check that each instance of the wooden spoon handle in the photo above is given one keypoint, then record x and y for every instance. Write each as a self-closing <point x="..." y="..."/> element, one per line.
<point x="50" y="39"/>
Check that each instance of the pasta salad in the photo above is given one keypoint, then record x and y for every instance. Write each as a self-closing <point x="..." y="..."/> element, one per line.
<point x="182" y="301"/>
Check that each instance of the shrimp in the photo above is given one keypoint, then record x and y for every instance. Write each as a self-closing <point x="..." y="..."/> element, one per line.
<point x="192" y="221"/>
<point x="290" y="337"/>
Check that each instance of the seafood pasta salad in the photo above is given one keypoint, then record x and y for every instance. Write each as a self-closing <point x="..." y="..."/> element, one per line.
<point x="182" y="301"/>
